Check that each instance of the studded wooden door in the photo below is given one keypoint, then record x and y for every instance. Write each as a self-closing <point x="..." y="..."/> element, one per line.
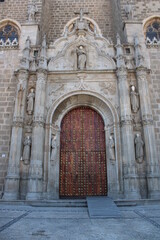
<point x="83" y="154"/>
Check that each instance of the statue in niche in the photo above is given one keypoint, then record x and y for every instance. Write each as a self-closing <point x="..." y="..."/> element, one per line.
<point x="81" y="58"/>
<point x="30" y="102"/>
<point x="139" y="145"/>
<point x="53" y="147"/>
<point x="27" y="150"/>
<point x="134" y="100"/>
<point x="20" y="90"/>
<point x="112" y="148"/>
<point x="32" y="10"/>
<point x="129" y="11"/>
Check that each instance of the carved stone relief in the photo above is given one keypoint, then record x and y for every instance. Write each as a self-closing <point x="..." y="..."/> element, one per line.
<point x="80" y="48"/>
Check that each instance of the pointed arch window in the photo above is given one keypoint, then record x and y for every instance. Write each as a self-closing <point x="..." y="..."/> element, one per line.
<point x="9" y="35"/>
<point x="152" y="32"/>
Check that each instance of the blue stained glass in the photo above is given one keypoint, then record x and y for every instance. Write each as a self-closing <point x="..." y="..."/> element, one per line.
<point x="8" y="28"/>
<point x="151" y="35"/>
<point x="153" y="31"/>
<point x="156" y="25"/>
<point x="8" y="32"/>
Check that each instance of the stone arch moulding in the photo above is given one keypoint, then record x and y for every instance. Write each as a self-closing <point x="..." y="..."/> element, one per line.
<point x="146" y="21"/>
<point x="12" y="21"/>
<point x="53" y="127"/>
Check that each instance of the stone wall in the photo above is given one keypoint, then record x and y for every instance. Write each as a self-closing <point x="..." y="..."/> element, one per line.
<point x="155" y="91"/>
<point x="8" y="63"/>
<point x="141" y="8"/>
<point x="63" y="11"/>
<point x="17" y="10"/>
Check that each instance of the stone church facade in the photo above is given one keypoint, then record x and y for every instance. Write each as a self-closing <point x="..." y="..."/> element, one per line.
<point x="79" y="99"/>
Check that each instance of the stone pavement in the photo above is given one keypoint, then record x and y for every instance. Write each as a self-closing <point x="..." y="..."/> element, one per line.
<point x="58" y="223"/>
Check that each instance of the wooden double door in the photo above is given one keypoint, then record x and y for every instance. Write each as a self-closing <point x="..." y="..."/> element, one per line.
<point x="82" y="154"/>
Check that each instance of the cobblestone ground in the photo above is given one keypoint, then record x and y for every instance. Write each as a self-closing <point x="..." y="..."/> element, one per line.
<point x="58" y="223"/>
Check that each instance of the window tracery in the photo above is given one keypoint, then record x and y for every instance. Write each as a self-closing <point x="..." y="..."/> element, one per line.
<point x="8" y="36"/>
<point x="152" y="32"/>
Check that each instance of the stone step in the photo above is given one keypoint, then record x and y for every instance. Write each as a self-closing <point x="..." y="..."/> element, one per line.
<point x="48" y="203"/>
<point x="102" y="207"/>
<point x="138" y="202"/>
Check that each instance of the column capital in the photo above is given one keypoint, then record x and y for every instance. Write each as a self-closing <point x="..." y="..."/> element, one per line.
<point x="147" y="119"/>
<point x="141" y="71"/>
<point x="126" y="120"/>
<point x="42" y="71"/>
<point x="18" y="122"/>
<point x="122" y="73"/>
<point x="38" y="121"/>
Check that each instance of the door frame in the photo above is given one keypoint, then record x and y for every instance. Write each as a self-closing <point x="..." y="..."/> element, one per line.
<point x="111" y="121"/>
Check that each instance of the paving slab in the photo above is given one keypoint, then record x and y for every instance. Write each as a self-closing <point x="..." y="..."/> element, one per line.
<point x="61" y="223"/>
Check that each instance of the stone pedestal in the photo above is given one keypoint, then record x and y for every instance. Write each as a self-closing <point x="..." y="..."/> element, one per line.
<point x="35" y="184"/>
<point x="153" y="165"/>
<point x="12" y="179"/>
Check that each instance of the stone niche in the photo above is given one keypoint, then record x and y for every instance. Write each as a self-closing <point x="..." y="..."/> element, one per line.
<point x="81" y="47"/>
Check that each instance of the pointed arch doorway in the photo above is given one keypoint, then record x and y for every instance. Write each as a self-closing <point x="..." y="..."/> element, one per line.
<point x="83" y="170"/>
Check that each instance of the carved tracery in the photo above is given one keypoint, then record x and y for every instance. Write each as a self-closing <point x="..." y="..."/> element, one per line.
<point x="9" y="35"/>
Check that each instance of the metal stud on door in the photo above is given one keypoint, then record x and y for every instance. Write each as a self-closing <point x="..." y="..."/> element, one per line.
<point x="83" y="154"/>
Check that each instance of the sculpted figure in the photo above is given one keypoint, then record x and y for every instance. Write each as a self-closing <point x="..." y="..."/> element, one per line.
<point x="81" y="58"/>
<point x="30" y="102"/>
<point x="112" y="148"/>
<point x="139" y="144"/>
<point x="53" y="147"/>
<point x="32" y="10"/>
<point x="27" y="150"/>
<point x="134" y="100"/>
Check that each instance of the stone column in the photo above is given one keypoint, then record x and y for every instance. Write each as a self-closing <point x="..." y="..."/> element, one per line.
<point x="13" y="175"/>
<point x="35" y="182"/>
<point x="131" y="184"/>
<point x="153" y="165"/>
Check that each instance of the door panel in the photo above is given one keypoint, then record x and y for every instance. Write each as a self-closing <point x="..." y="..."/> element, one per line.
<point x="83" y="154"/>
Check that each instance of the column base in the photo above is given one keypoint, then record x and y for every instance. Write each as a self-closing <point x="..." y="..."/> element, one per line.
<point x="131" y="188"/>
<point x="155" y="195"/>
<point x="153" y="187"/>
<point x="34" y="189"/>
<point x="34" y="196"/>
<point x="11" y="188"/>
<point x="10" y="196"/>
